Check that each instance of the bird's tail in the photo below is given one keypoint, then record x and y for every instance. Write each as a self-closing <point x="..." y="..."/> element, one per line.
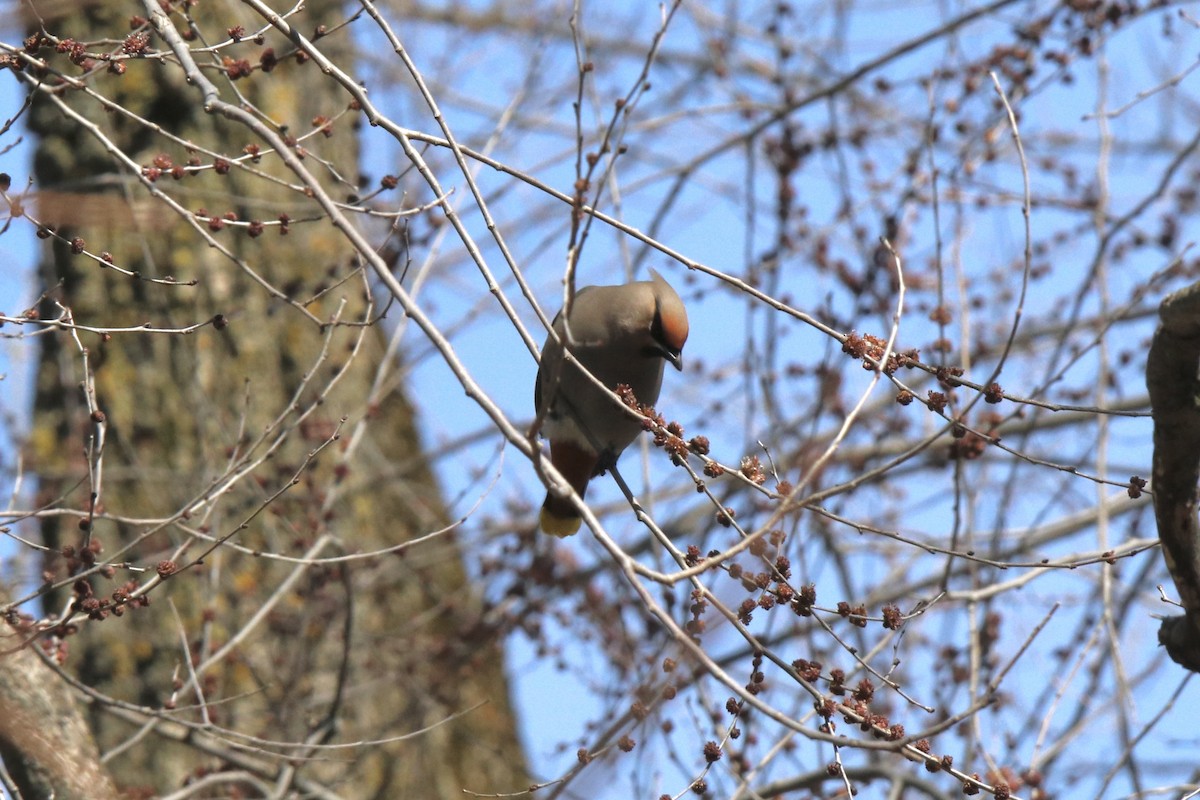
<point x="577" y="464"/>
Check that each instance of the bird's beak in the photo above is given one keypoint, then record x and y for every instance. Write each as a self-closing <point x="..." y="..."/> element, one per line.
<point x="675" y="358"/>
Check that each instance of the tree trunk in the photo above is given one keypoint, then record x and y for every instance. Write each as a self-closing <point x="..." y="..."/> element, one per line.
<point x="44" y="738"/>
<point x="357" y="650"/>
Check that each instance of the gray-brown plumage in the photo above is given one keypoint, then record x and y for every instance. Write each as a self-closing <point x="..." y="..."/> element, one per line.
<point x="623" y="335"/>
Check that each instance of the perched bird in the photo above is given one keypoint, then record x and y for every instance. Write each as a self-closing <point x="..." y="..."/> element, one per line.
<point x="621" y="334"/>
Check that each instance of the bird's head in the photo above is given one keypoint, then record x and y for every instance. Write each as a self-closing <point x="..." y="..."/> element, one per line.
<point x="668" y="322"/>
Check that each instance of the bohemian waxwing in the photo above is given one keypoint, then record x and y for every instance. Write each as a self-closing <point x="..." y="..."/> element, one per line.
<point x="622" y="334"/>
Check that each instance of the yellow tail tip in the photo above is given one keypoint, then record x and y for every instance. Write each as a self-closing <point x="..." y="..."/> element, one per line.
<point x="561" y="527"/>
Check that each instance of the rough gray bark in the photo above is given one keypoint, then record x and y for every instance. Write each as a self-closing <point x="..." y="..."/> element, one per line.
<point x="44" y="739"/>
<point x="369" y="650"/>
